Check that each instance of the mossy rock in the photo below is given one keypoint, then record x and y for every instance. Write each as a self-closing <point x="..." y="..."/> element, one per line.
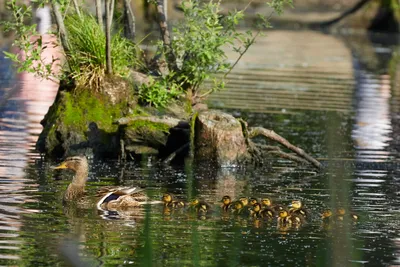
<point x="81" y="121"/>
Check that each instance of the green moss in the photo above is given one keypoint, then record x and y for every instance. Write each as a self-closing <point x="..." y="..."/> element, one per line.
<point x="83" y="108"/>
<point x="149" y="126"/>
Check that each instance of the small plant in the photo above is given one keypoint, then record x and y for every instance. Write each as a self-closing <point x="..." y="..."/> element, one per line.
<point x="87" y="53"/>
<point x="199" y="42"/>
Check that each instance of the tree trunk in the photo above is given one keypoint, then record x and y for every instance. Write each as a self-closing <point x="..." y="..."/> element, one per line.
<point x="129" y="21"/>
<point x="108" y="37"/>
<point x="99" y="13"/>
<point x="60" y="25"/>
<point x="219" y="138"/>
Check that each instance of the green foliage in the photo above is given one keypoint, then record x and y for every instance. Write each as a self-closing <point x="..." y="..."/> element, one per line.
<point x="29" y="42"/>
<point x="199" y="44"/>
<point x="87" y="55"/>
<point x="159" y="93"/>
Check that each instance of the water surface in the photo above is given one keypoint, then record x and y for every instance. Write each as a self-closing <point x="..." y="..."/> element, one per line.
<point x="334" y="96"/>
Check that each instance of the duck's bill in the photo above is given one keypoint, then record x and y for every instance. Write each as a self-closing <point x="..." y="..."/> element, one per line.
<point x="63" y="165"/>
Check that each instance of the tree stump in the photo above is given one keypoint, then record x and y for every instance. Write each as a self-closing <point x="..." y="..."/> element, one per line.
<point x="218" y="137"/>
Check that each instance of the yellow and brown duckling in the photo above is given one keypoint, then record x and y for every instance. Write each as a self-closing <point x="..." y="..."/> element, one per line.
<point x="259" y="212"/>
<point x="267" y="203"/>
<point x="287" y="219"/>
<point x="341" y="213"/>
<point x="226" y="203"/>
<point x="110" y="198"/>
<point x="200" y="206"/>
<point x="296" y="207"/>
<point x="239" y="208"/>
<point x="170" y="202"/>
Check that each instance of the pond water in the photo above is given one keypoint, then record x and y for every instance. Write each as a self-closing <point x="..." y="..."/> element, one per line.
<point x="335" y="96"/>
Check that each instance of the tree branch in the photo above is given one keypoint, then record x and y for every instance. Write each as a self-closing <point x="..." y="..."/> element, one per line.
<point x="99" y="14"/>
<point x="129" y="25"/>
<point x="60" y="24"/>
<point x="256" y="131"/>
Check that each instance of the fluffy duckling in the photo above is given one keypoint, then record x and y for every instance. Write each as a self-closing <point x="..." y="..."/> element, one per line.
<point x="296" y="207"/>
<point x="201" y="207"/>
<point x="327" y="216"/>
<point x="341" y="212"/>
<point x="238" y="208"/>
<point x="226" y="203"/>
<point x="253" y="201"/>
<point x="255" y="212"/>
<point x="169" y="202"/>
<point x="267" y="203"/>
<point x="258" y="212"/>
<point x="285" y="218"/>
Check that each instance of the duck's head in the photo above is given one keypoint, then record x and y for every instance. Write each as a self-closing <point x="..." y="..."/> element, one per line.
<point x="256" y="207"/>
<point x="253" y="201"/>
<point x="238" y="205"/>
<point x="283" y="214"/>
<point x="266" y="202"/>
<point x="341" y="211"/>
<point x="194" y="202"/>
<point x="75" y="163"/>
<point x="326" y="214"/>
<point x="167" y="198"/>
<point x="226" y="200"/>
<point x="244" y="201"/>
<point x="79" y="164"/>
<point x="296" y="204"/>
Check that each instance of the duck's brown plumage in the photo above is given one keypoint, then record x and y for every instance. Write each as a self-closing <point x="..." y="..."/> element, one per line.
<point x="110" y="198"/>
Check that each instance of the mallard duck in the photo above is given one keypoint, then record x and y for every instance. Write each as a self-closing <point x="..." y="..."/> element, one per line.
<point x="170" y="202"/>
<point x="296" y="207"/>
<point x="267" y="203"/>
<point x="226" y="203"/>
<point x="110" y="198"/>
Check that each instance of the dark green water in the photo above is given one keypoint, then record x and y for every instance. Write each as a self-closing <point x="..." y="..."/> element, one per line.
<point x="339" y="107"/>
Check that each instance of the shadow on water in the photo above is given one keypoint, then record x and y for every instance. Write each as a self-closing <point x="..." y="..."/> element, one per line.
<point x="317" y="94"/>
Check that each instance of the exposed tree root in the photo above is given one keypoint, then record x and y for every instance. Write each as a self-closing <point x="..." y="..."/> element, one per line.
<point x="257" y="150"/>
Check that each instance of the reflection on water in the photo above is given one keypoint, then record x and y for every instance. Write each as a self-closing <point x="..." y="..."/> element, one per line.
<point x="311" y="92"/>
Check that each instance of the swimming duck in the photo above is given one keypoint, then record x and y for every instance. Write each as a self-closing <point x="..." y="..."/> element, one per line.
<point x="294" y="219"/>
<point x="170" y="202"/>
<point x="111" y="198"/>
<point x="327" y="216"/>
<point x="238" y="208"/>
<point x="226" y="203"/>
<point x="341" y="212"/>
<point x="267" y="203"/>
<point x="296" y="207"/>
<point x="201" y="207"/>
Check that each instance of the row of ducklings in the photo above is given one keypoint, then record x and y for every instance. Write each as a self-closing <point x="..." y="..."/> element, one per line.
<point x="295" y="213"/>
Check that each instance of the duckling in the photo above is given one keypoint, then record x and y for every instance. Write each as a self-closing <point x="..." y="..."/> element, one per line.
<point x="285" y="218"/>
<point x="296" y="207"/>
<point x="256" y="210"/>
<point x="201" y="207"/>
<point x="226" y="203"/>
<point x="341" y="212"/>
<point x="327" y="216"/>
<point x="238" y="208"/>
<point x="245" y="201"/>
<point x="253" y="201"/>
<point x="267" y="203"/>
<point x="169" y="201"/>
<point x="110" y="198"/>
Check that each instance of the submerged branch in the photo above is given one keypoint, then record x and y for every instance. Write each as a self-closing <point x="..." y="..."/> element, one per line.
<point x="256" y="131"/>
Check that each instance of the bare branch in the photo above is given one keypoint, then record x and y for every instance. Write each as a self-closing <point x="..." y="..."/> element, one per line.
<point x="60" y="25"/>
<point x="130" y="21"/>
<point x="256" y="131"/>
